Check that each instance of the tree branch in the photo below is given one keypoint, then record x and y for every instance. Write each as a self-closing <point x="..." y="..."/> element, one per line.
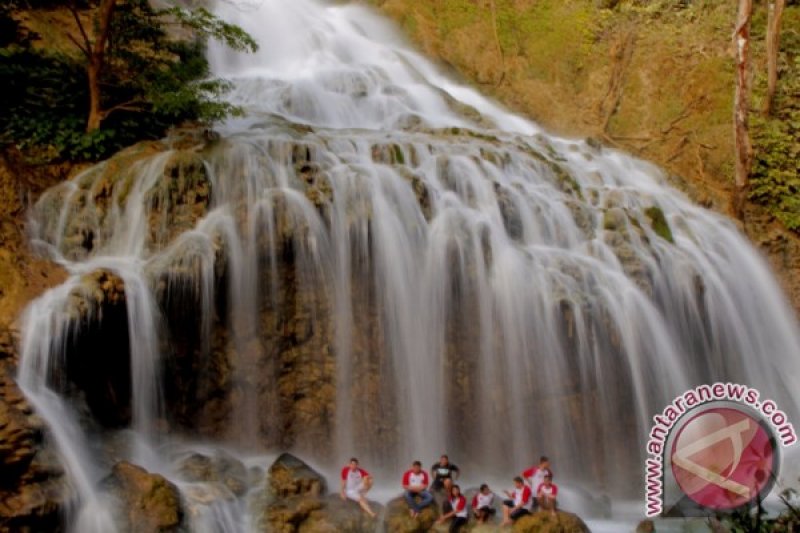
<point x="87" y="44"/>
<point x="79" y="45"/>
<point x="135" y="105"/>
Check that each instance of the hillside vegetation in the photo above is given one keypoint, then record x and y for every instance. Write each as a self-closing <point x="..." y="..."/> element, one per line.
<point x="652" y="77"/>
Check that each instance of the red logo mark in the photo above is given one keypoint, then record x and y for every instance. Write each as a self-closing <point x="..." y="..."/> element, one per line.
<point x="723" y="458"/>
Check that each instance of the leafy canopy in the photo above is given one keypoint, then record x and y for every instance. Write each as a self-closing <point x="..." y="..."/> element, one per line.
<point x="155" y="76"/>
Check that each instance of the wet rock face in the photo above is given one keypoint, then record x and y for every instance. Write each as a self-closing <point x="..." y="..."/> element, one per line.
<point x="98" y="355"/>
<point x="174" y="195"/>
<point x="179" y="199"/>
<point x="146" y="503"/>
<point x="32" y="488"/>
<point x="221" y="468"/>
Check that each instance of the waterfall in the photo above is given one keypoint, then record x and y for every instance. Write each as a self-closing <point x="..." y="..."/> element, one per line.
<point x="376" y="260"/>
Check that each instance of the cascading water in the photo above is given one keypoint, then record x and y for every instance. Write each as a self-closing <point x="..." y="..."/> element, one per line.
<point x="378" y="261"/>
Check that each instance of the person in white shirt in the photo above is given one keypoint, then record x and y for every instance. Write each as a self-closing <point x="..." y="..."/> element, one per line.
<point x="519" y="504"/>
<point x="458" y="513"/>
<point x="546" y="494"/>
<point x="483" y="504"/>
<point x="355" y="483"/>
<point x="535" y="474"/>
<point x="415" y="483"/>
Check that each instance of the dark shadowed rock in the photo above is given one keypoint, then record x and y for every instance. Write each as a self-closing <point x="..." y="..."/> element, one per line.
<point x="147" y="503"/>
<point x="32" y="488"/>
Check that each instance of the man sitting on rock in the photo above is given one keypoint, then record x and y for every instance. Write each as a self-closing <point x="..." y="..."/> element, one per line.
<point x="519" y="503"/>
<point x="444" y="474"/>
<point x="356" y="482"/>
<point x="415" y="484"/>
<point x="546" y="494"/>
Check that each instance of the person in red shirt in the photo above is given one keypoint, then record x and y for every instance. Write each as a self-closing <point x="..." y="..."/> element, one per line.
<point x="519" y="503"/>
<point x="458" y="510"/>
<point x="535" y="474"/>
<point x="415" y="483"/>
<point x="356" y="482"/>
<point x="546" y="494"/>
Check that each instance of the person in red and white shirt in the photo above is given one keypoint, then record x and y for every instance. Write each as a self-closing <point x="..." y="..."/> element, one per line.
<point x="356" y="482"/>
<point x="415" y="483"/>
<point x="483" y="504"/>
<point x="535" y="474"/>
<point x="546" y="494"/>
<point x="519" y="504"/>
<point x="458" y="510"/>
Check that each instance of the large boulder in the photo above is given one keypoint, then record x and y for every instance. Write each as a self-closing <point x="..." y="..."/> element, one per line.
<point x="286" y="515"/>
<point x="290" y="476"/>
<point x="398" y="520"/>
<point x="337" y="515"/>
<point x="545" y="522"/>
<point x="32" y="489"/>
<point x="146" y="502"/>
<point x="297" y="503"/>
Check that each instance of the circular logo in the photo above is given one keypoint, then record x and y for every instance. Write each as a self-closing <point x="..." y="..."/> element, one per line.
<point x="724" y="458"/>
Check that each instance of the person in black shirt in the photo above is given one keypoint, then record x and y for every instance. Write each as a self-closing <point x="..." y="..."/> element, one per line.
<point x="444" y="474"/>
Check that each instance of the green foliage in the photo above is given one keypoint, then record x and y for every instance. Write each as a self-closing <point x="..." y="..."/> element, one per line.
<point x="775" y="178"/>
<point x="152" y="80"/>
<point x="659" y="223"/>
<point x="756" y="519"/>
<point x="204" y="22"/>
<point x="42" y="112"/>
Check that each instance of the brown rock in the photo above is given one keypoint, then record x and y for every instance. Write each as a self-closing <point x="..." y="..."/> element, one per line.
<point x="289" y="476"/>
<point x="544" y="522"/>
<point x="398" y="520"/>
<point x="32" y="490"/>
<point x="146" y="502"/>
<point x="336" y="515"/>
<point x="287" y="514"/>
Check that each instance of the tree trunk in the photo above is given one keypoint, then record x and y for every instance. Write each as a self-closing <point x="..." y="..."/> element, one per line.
<point x="741" y="103"/>
<point x="96" y="62"/>
<point x="773" y="47"/>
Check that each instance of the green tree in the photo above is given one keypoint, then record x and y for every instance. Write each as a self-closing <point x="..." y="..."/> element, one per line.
<point x="139" y="71"/>
<point x="130" y="47"/>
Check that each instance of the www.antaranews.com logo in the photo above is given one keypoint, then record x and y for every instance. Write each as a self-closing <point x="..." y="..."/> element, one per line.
<point x="721" y="444"/>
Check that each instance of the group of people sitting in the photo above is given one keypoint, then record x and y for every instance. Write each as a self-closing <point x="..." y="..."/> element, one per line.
<point x="533" y="489"/>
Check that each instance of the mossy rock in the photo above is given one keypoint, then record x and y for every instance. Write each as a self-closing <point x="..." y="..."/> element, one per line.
<point x="398" y="519"/>
<point x="545" y="522"/>
<point x="287" y="514"/>
<point x="658" y="221"/>
<point x="146" y="502"/>
<point x="290" y="476"/>
<point x="337" y="515"/>
<point x="312" y="514"/>
<point x="615" y="219"/>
